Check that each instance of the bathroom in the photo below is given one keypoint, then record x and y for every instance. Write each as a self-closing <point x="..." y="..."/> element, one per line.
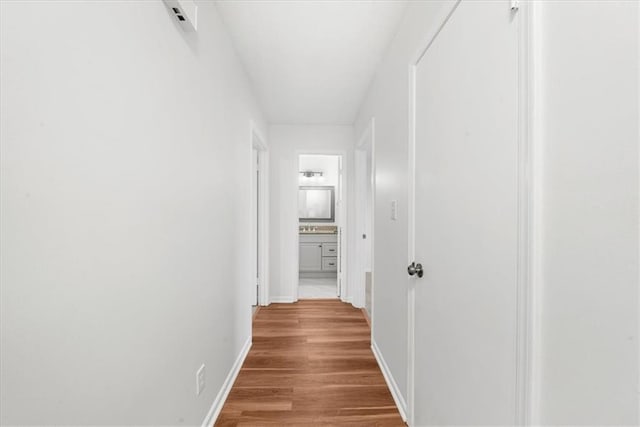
<point x="319" y="229"/>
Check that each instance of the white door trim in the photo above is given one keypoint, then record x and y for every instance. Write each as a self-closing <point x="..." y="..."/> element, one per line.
<point x="530" y="290"/>
<point x="258" y="142"/>
<point x="529" y="166"/>
<point x="365" y="145"/>
<point x="529" y="217"/>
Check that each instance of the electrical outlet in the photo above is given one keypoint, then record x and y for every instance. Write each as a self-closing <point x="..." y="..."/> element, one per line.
<point x="200" y="380"/>
<point x="394" y="210"/>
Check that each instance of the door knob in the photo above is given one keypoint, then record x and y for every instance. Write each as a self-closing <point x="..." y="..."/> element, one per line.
<point x="415" y="269"/>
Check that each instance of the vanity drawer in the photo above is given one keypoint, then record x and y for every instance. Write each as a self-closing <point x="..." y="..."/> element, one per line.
<point x="329" y="249"/>
<point x="318" y="238"/>
<point x="329" y="263"/>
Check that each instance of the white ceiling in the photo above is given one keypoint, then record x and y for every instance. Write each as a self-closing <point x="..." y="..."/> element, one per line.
<point x="311" y="62"/>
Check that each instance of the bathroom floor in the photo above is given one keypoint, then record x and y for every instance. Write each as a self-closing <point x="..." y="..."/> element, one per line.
<point x="324" y="287"/>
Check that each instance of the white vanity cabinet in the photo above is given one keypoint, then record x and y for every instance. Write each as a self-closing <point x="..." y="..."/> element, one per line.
<point x="310" y="256"/>
<point x="318" y="254"/>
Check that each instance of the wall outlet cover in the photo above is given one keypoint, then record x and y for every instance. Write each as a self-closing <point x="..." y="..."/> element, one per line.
<point x="200" y="380"/>
<point x="394" y="210"/>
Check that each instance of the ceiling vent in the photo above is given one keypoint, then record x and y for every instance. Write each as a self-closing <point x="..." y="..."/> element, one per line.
<point x="185" y="12"/>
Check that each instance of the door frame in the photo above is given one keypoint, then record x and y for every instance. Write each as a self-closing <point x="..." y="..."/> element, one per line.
<point x="258" y="142"/>
<point x="529" y="211"/>
<point x="343" y="289"/>
<point x="365" y="146"/>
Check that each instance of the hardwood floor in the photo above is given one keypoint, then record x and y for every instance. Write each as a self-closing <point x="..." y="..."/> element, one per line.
<point x="310" y="364"/>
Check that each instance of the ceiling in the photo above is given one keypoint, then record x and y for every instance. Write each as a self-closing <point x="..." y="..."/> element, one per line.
<point x="311" y="62"/>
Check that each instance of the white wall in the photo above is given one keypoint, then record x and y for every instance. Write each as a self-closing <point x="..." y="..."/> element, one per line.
<point x="286" y="143"/>
<point x="388" y="102"/>
<point x="124" y="212"/>
<point x="589" y="306"/>
<point x="589" y="103"/>
<point x="330" y="167"/>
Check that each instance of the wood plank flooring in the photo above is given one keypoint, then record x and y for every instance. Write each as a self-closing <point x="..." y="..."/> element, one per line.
<point x="310" y="364"/>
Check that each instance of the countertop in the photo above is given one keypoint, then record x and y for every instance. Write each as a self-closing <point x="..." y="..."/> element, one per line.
<point x="318" y="232"/>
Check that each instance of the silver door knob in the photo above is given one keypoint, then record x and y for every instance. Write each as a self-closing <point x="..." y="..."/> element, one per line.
<point x="415" y="270"/>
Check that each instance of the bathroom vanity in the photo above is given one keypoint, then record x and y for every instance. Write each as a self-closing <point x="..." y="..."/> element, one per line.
<point x="318" y="254"/>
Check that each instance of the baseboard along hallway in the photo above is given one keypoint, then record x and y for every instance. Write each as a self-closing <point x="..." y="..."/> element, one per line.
<point x="310" y="363"/>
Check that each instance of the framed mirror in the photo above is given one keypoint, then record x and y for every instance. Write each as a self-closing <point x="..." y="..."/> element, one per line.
<point x="316" y="204"/>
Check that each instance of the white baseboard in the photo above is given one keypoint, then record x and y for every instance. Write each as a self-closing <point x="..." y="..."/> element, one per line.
<point x="391" y="383"/>
<point x="218" y="403"/>
<point x="351" y="300"/>
<point x="281" y="300"/>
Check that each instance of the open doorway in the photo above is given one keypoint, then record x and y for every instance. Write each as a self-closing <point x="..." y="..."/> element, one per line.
<point x="320" y="217"/>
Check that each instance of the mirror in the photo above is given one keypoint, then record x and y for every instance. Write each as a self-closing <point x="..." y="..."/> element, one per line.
<point x="316" y="204"/>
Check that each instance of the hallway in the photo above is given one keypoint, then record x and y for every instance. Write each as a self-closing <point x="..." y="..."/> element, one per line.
<point x="313" y="212"/>
<point x="310" y="363"/>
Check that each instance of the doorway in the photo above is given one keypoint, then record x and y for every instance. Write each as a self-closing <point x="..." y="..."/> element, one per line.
<point x="320" y="226"/>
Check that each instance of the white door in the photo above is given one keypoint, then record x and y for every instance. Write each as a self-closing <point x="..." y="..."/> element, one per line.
<point x="466" y="219"/>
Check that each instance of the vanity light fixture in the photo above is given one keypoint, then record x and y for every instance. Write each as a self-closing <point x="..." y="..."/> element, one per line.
<point x="310" y="174"/>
